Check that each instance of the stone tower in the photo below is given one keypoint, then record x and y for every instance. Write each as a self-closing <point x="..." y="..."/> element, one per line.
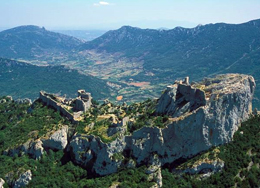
<point x="83" y="101"/>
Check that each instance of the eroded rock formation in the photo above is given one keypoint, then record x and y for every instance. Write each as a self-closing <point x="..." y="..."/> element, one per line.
<point x="203" y="115"/>
<point x="58" y="140"/>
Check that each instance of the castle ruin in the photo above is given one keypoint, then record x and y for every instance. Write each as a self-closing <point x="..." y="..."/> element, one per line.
<point x="73" y="108"/>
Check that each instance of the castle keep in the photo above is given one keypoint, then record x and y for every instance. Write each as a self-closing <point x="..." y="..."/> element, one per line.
<point x="83" y="101"/>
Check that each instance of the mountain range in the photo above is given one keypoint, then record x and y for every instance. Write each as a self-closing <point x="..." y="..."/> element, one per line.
<point x="199" y="51"/>
<point x="199" y="133"/>
<point x="166" y="55"/>
<point x="144" y="60"/>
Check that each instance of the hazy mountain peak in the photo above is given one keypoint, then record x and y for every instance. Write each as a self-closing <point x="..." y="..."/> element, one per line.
<point x="32" y="41"/>
<point x="30" y="28"/>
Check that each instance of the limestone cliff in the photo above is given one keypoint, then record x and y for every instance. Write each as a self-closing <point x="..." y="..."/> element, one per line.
<point x="202" y="115"/>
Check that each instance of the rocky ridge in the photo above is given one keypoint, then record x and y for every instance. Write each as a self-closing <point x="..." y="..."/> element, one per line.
<point x="196" y="125"/>
<point x="200" y="116"/>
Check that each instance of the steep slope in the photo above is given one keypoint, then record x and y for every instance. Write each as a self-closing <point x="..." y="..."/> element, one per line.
<point x="204" y="49"/>
<point x="25" y="80"/>
<point x="31" y="42"/>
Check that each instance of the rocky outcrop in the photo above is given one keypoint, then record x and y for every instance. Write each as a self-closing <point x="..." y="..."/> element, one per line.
<point x="24" y="178"/>
<point x="58" y="140"/>
<point x="154" y="171"/>
<point x="24" y="101"/>
<point x="206" y="167"/>
<point x="36" y="150"/>
<point x="2" y="182"/>
<point x="202" y="115"/>
<point x="155" y="175"/>
<point x="119" y="127"/>
<point x="31" y="147"/>
<point x="91" y="153"/>
<point x="179" y="99"/>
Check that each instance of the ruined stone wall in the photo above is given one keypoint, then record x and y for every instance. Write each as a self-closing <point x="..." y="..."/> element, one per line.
<point x="66" y="113"/>
<point x="49" y="101"/>
<point x="57" y="106"/>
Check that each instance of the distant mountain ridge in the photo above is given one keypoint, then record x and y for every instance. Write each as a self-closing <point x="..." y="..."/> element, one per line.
<point x="23" y="80"/>
<point x="179" y="45"/>
<point x="32" y="41"/>
<point x="167" y="55"/>
<point x="131" y="55"/>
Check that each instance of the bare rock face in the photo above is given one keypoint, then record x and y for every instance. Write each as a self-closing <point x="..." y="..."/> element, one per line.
<point x="202" y="115"/>
<point x="58" y="140"/>
<point x="179" y="99"/>
<point x="36" y="150"/>
<point x="91" y="152"/>
<point x="228" y="103"/>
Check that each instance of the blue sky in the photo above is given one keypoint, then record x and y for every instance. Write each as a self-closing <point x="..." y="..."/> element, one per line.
<point x="112" y="14"/>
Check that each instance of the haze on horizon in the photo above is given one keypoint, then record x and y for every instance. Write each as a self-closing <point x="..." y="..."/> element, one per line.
<point x="112" y="14"/>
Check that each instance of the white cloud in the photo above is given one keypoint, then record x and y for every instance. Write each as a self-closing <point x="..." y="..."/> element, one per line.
<point x="101" y="3"/>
